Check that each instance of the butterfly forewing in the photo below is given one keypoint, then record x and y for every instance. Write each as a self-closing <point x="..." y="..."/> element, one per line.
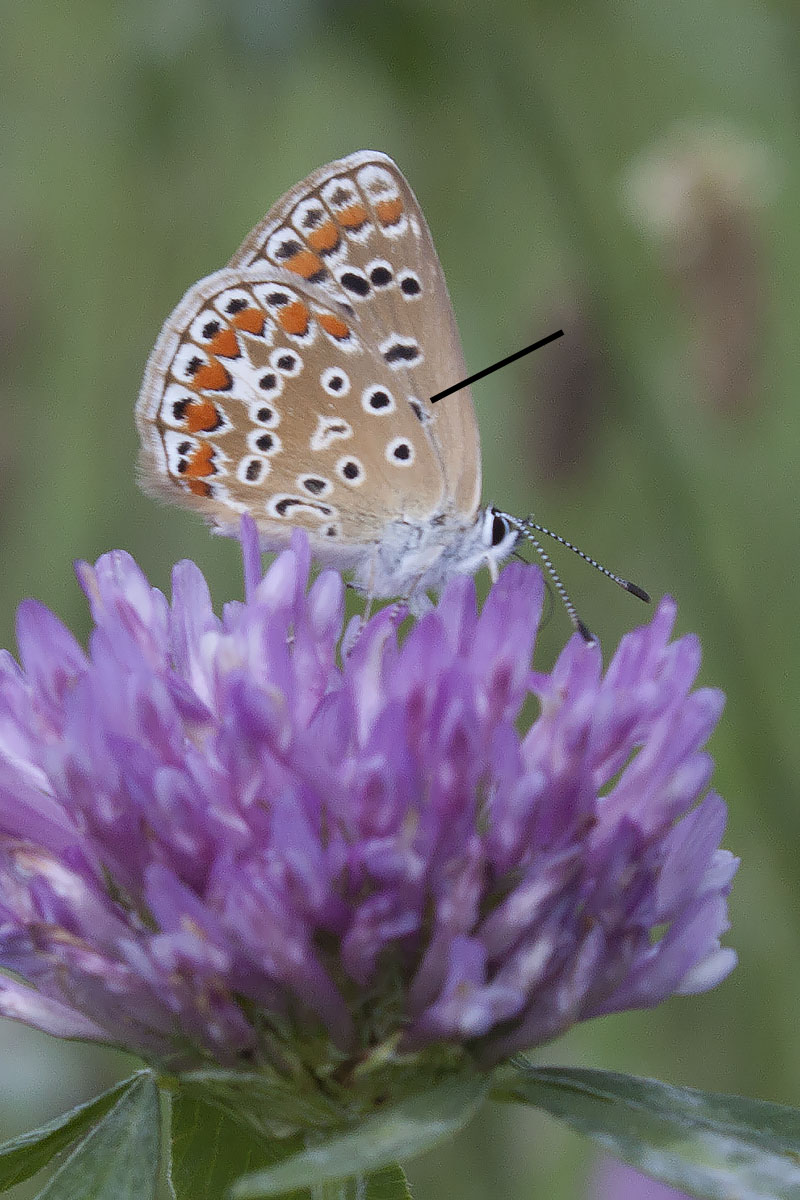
<point x="355" y="228"/>
<point x="295" y="383"/>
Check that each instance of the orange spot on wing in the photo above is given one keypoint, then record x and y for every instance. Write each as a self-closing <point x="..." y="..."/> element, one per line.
<point x="250" y="320"/>
<point x="213" y="376"/>
<point x="324" y="239"/>
<point x="389" y="211"/>
<point x="225" y="343"/>
<point x="200" y="462"/>
<point x="306" y="264"/>
<point x="199" y="487"/>
<point x="294" y="317"/>
<point x="335" y="326"/>
<point x="202" y="416"/>
<point x="352" y="217"/>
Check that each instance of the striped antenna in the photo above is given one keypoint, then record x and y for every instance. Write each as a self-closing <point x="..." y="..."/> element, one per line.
<point x="529" y="528"/>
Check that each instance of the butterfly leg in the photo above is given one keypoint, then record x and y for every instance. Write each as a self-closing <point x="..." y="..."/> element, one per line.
<point x="355" y="627"/>
<point x="417" y="603"/>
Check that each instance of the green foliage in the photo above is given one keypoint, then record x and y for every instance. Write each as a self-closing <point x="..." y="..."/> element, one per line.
<point x="700" y="1142"/>
<point x="23" y="1156"/>
<point x="119" y="1158"/>
<point x="401" y="1131"/>
<point x="219" y="1143"/>
<point x="211" y="1148"/>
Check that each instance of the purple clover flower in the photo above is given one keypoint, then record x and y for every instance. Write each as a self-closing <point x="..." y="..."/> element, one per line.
<point x="216" y="837"/>
<point x="613" y="1180"/>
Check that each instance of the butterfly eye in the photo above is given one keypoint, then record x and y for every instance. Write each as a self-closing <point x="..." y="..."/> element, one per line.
<point x="499" y="529"/>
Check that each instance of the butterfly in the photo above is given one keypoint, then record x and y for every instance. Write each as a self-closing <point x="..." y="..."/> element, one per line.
<point x="295" y="383"/>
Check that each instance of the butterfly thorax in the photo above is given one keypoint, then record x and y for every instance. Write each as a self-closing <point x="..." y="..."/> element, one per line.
<point x="413" y="558"/>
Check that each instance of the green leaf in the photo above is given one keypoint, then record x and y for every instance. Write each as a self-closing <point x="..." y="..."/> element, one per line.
<point x="23" y="1156"/>
<point x="119" y="1158"/>
<point x="705" y="1143"/>
<point x="389" y="1183"/>
<point x="210" y="1147"/>
<point x="416" y="1124"/>
<point x="270" y="1104"/>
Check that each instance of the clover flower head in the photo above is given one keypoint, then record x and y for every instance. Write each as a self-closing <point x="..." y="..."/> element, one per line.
<point x="222" y="841"/>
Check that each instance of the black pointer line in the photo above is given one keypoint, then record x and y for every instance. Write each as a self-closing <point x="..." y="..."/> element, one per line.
<point x="503" y="363"/>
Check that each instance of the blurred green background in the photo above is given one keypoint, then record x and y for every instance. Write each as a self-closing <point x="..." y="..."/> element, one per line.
<point x="628" y="171"/>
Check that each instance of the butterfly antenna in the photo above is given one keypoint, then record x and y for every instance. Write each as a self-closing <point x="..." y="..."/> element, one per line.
<point x="529" y="528"/>
<point x="582" y="629"/>
<point x="633" y="588"/>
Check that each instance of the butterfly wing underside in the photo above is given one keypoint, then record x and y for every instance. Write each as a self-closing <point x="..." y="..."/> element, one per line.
<point x="295" y="383"/>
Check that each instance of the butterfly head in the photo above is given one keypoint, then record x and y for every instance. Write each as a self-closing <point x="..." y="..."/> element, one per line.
<point x="498" y="538"/>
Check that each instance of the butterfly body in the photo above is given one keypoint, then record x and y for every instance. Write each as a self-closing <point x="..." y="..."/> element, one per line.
<point x="413" y="558"/>
<point x="295" y="384"/>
